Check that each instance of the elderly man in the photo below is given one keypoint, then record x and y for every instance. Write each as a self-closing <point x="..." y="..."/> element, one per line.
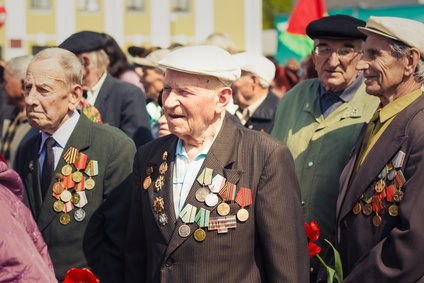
<point x="76" y="172"/>
<point x="256" y="102"/>
<point x="212" y="200"/>
<point x="120" y="104"/>
<point x="152" y="80"/>
<point x="320" y="119"/>
<point x="379" y="210"/>
<point x="16" y="128"/>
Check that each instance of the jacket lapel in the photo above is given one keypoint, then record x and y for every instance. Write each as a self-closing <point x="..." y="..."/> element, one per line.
<point x="100" y="103"/>
<point x="220" y="158"/>
<point x="382" y="152"/>
<point x="79" y="139"/>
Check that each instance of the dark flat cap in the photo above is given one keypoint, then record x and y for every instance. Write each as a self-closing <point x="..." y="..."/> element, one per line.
<point x="336" y="27"/>
<point x="84" y="41"/>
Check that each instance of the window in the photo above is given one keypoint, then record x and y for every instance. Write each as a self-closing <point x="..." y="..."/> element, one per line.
<point x="40" y="4"/>
<point x="181" y="5"/>
<point x="135" y="5"/>
<point x="88" y="5"/>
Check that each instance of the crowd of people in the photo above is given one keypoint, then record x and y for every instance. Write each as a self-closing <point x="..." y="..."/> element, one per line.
<point x="202" y="163"/>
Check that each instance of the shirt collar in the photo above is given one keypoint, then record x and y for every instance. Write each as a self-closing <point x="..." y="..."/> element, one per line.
<point x="396" y="106"/>
<point x="348" y="93"/>
<point x="62" y="134"/>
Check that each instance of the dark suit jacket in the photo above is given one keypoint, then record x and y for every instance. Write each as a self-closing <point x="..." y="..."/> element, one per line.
<point x="98" y="241"/>
<point x="269" y="247"/>
<point x="263" y="118"/>
<point x="393" y="251"/>
<point x="123" y="105"/>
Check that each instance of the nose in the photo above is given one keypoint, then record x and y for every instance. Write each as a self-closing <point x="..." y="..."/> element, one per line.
<point x="170" y="100"/>
<point x="30" y="97"/>
<point x="333" y="60"/>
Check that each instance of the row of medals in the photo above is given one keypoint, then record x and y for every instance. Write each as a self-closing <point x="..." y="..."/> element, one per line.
<point x="66" y="195"/>
<point x="203" y="194"/>
<point x="375" y="190"/>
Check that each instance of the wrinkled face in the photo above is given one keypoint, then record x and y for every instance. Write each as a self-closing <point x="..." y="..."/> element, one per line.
<point x="13" y="88"/>
<point x="383" y="73"/>
<point x="190" y="107"/>
<point x="336" y="74"/>
<point x="49" y="101"/>
<point x="152" y="82"/>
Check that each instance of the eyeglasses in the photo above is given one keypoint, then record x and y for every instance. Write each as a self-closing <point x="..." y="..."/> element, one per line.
<point x="342" y="52"/>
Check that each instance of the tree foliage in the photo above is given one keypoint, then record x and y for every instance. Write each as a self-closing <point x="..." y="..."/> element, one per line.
<point x="271" y="8"/>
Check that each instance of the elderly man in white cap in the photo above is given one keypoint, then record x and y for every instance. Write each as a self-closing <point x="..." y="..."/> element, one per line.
<point x="256" y="102"/>
<point x="380" y="228"/>
<point x="213" y="201"/>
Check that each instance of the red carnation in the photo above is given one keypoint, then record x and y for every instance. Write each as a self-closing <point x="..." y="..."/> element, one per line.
<point x="77" y="275"/>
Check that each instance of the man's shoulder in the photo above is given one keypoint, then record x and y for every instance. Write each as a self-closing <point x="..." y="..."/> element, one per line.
<point x="301" y="90"/>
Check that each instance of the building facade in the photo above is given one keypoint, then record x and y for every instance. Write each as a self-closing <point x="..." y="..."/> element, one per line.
<point x="31" y="25"/>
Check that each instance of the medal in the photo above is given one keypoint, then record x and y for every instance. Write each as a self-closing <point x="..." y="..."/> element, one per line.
<point x="58" y="188"/>
<point x="201" y="194"/>
<point x="393" y="210"/>
<point x="65" y="219"/>
<point x="163" y="219"/>
<point x="211" y="200"/>
<point x="367" y="209"/>
<point x="228" y="192"/>
<point x="70" y="156"/>
<point x="75" y="198"/>
<point x="184" y="231"/>
<point x="65" y="196"/>
<point x="376" y="220"/>
<point x="158" y="204"/>
<point x="66" y="170"/>
<point x="379" y="186"/>
<point x="163" y="167"/>
<point x="91" y="170"/>
<point x="397" y="197"/>
<point x="205" y="178"/>
<point x="217" y="184"/>
<point x="357" y="208"/>
<point x="200" y="235"/>
<point x="159" y="183"/>
<point x="79" y="215"/>
<point x="242" y="215"/>
<point x="89" y="183"/>
<point x="223" y="209"/>
<point x="58" y="206"/>
<point x="148" y="181"/>
<point x="77" y="176"/>
<point x="222" y="224"/>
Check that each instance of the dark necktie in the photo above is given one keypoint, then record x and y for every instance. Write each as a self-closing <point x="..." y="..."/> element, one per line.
<point x="329" y="102"/>
<point x="48" y="165"/>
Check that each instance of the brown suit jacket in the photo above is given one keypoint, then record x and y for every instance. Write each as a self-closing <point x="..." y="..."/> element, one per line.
<point x="270" y="246"/>
<point x="393" y="251"/>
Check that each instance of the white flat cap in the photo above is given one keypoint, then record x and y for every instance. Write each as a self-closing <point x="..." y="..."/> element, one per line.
<point x="256" y="64"/>
<point x="203" y="60"/>
<point x="407" y="31"/>
<point x="152" y="59"/>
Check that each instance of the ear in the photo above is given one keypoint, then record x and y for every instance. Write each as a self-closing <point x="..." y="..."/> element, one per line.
<point x="224" y="97"/>
<point x="412" y="61"/>
<point x="75" y="97"/>
<point x="23" y="85"/>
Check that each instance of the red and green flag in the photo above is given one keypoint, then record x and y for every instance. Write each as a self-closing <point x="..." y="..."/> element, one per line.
<point x="295" y="38"/>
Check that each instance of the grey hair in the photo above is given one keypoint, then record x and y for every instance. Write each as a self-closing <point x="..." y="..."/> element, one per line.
<point x="70" y="63"/>
<point x="17" y="66"/>
<point x="400" y="50"/>
<point x="99" y="60"/>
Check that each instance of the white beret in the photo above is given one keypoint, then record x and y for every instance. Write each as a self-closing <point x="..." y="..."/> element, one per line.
<point x="256" y="64"/>
<point x="407" y="31"/>
<point x="203" y="60"/>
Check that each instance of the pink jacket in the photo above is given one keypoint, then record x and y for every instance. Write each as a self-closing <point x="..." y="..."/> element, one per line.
<point x="23" y="252"/>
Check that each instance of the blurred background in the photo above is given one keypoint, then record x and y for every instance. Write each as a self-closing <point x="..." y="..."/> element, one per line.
<point x="27" y="26"/>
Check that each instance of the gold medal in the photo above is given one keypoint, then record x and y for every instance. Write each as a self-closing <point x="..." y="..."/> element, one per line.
<point x="159" y="183"/>
<point x="376" y="220"/>
<point x="165" y="155"/>
<point x="397" y="197"/>
<point x="379" y="186"/>
<point x="202" y="193"/>
<point x="242" y="215"/>
<point x="158" y="204"/>
<point x="66" y="170"/>
<point x="393" y="210"/>
<point x="75" y="198"/>
<point x="77" y="176"/>
<point x="199" y="235"/>
<point x="89" y="183"/>
<point x="65" y="219"/>
<point x="163" y="167"/>
<point x="367" y="209"/>
<point x="223" y="209"/>
<point x="58" y="188"/>
<point x="357" y="208"/>
<point x="147" y="182"/>
<point x="58" y="206"/>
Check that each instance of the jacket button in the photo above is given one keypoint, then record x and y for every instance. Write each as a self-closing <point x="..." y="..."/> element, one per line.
<point x="169" y="262"/>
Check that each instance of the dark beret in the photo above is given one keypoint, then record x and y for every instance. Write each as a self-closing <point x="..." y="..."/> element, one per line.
<point x="84" y="41"/>
<point x="336" y="27"/>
